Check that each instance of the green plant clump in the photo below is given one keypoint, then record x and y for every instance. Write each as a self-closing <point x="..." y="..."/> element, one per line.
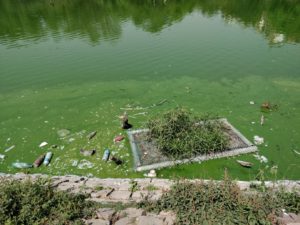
<point x="37" y="202"/>
<point x="179" y="134"/>
<point x="223" y="203"/>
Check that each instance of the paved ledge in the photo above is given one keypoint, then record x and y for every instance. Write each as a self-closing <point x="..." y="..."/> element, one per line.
<point x="111" y="190"/>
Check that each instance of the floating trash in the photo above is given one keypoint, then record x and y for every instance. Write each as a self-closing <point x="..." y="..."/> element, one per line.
<point x="251" y="103"/>
<point x="71" y="140"/>
<point x="298" y="153"/>
<point x="106" y="155"/>
<point x="74" y="163"/>
<point x="258" y="140"/>
<point x="39" y="161"/>
<point x="261" y="158"/>
<point x="92" y="135"/>
<point x="85" y="164"/>
<point x="118" y="138"/>
<point x="48" y="158"/>
<point x="21" y="165"/>
<point x="116" y="160"/>
<point x="87" y="152"/>
<point x="2" y="156"/>
<point x="63" y="133"/>
<point x="152" y="173"/>
<point x="10" y="148"/>
<point x="244" y="163"/>
<point x="43" y="144"/>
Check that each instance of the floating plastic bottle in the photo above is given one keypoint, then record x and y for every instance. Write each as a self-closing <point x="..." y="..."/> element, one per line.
<point x="47" y="158"/>
<point x="106" y="155"/>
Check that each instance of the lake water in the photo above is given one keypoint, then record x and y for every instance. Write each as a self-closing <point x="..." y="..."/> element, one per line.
<point x="78" y="65"/>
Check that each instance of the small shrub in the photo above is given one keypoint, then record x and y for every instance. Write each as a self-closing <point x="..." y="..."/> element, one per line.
<point x="179" y="134"/>
<point x="37" y="202"/>
<point x="222" y="203"/>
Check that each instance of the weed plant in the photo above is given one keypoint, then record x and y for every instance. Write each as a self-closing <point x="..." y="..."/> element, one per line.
<point x="38" y="203"/>
<point x="179" y="134"/>
<point x="223" y="203"/>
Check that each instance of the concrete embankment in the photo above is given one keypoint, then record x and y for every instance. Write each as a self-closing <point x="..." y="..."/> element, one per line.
<point x="127" y="191"/>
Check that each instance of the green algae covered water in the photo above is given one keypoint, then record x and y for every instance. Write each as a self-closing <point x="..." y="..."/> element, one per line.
<point x="78" y="65"/>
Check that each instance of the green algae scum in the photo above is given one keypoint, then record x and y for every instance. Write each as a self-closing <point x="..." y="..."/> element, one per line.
<point x="70" y="68"/>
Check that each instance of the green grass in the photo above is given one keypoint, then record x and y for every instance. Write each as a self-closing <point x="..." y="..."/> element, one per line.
<point x="38" y="203"/>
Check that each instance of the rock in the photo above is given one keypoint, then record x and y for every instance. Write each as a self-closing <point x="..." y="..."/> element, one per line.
<point x="105" y="213"/>
<point x="148" y="220"/>
<point x="97" y="222"/>
<point x="126" y="221"/>
<point x="134" y="212"/>
<point x="169" y="217"/>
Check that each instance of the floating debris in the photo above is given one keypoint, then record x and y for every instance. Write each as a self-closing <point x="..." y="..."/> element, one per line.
<point x="71" y="140"/>
<point x="85" y="164"/>
<point x="116" y="160"/>
<point x="106" y="155"/>
<point x="39" y="161"/>
<point x="48" y="158"/>
<point x="43" y="144"/>
<point x="21" y="165"/>
<point x="244" y="163"/>
<point x="63" y="133"/>
<point x="274" y="169"/>
<point x="125" y="124"/>
<point x="258" y="140"/>
<point x="54" y="146"/>
<point x="2" y="156"/>
<point x="151" y="174"/>
<point x="298" y="153"/>
<point x="262" y="120"/>
<point x="10" y="148"/>
<point x="251" y="103"/>
<point x="261" y="158"/>
<point x="118" y="138"/>
<point x="92" y="135"/>
<point x="74" y="162"/>
<point x="267" y="107"/>
<point x="87" y="152"/>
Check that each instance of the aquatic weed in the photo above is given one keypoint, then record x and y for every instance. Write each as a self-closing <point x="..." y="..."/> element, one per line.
<point x="179" y="134"/>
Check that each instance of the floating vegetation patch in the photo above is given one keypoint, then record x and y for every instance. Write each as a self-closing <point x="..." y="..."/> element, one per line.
<point x="180" y="137"/>
<point x="179" y="134"/>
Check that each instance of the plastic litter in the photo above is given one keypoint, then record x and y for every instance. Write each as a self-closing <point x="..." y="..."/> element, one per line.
<point x="87" y="152"/>
<point x="74" y="163"/>
<point x="47" y="158"/>
<point x="39" y="161"/>
<point x="10" y="148"/>
<point x="152" y="173"/>
<point x="261" y="158"/>
<point x="118" y="138"/>
<point x="106" y="155"/>
<point x="92" y="135"/>
<point x="2" y="156"/>
<point x="258" y="140"/>
<point x="43" y="144"/>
